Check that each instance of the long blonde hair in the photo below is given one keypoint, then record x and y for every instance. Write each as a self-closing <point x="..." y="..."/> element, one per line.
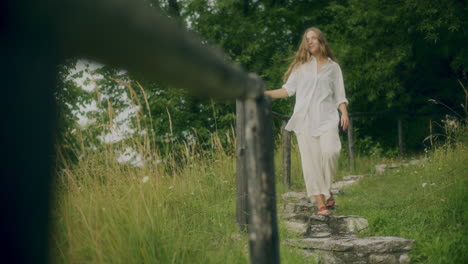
<point x="303" y="54"/>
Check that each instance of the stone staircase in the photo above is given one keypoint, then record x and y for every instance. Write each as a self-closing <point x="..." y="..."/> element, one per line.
<point x="333" y="239"/>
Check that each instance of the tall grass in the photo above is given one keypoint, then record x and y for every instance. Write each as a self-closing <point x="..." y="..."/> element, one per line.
<point x="426" y="203"/>
<point x="108" y="212"/>
<point x="177" y="208"/>
<point x="180" y="206"/>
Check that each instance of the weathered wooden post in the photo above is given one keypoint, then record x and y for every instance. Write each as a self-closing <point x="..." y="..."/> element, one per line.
<point x="241" y="173"/>
<point x="400" y="138"/>
<point x="263" y="232"/>
<point x="351" y="144"/>
<point x="286" y="155"/>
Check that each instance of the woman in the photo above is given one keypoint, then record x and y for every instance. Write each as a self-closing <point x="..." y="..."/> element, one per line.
<point x="316" y="80"/>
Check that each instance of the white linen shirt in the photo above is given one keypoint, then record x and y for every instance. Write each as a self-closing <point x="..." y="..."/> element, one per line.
<point x="318" y="95"/>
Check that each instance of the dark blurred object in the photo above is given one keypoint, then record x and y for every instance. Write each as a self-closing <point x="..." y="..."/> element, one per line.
<point x="38" y="35"/>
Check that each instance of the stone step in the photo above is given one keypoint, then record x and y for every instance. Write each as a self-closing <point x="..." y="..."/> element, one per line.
<point x="353" y="250"/>
<point x="332" y="239"/>
<point x="380" y="168"/>
<point x="301" y="197"/>
<point x="324" y="226"/>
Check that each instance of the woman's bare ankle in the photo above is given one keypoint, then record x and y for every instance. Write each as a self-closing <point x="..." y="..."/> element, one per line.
<point x="319" y="200"/>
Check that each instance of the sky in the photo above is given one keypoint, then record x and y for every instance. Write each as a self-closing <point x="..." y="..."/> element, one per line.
<point x="121" y="128"/>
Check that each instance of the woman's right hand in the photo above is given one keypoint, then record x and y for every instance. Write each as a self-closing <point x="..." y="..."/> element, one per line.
<point x="278" y="93"/>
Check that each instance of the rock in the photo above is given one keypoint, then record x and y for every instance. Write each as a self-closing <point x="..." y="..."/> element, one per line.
<point x="395" y="165"/>
<point x="382" y="244"/>
<point x="416" y="162"/>
<point x="332" y="239"/>
<point x="320" y="230"/>
<point x="321" y="256"/>
<point x="319" y="234"/>
<point x="348" y="225"/>
<point x="300" y="207"/>
<point x="341" y="184"/>
<point x="324" y="226"/>
<point x="329" y="244"/>
<point x="380" y="168"/>
<point x="385" y="250"/>
<point x="404" y="259"/>
<point x="354" y="177"/>
<point x="347" y="181"/>
<point x="358" y="245"/>
<point x="350" y="258"/>
<point x="311" y="255"/>
<point x="318" y="219"/>
<point x="382" y="259"/>
<point x="301" y="229"/>
<point x="297" y="217"/>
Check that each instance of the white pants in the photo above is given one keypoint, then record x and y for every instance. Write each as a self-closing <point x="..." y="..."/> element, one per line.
<point x="319" y="156"/>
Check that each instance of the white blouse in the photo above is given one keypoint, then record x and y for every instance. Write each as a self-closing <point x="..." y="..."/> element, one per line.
<point x="318" y="95"/>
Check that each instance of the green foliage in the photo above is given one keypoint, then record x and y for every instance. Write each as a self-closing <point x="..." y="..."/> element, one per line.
<point x="394" y="52"/>
<point x="395" y="55"/>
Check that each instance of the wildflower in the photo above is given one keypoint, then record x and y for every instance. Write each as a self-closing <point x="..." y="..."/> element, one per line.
<point x="145" y="179"/>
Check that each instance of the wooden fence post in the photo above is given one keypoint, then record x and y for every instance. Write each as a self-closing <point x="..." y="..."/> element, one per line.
<point x="241" y="174"/>
<point x="351" y="144"/>
<point x="286" y="155"/>
<point x="400" y="138"/>
<point x="263" y="231"/>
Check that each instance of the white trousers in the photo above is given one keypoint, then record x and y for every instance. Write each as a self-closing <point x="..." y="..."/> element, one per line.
<point x="319" y="156"/>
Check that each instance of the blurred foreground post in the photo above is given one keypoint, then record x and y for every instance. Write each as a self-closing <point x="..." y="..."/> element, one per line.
<point x="263" y="232"/>
<point x="39" y="35"/>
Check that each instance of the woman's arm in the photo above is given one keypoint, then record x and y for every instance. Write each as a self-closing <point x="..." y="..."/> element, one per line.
<point x="344" y="116"/>
<point x="278" y="93"/>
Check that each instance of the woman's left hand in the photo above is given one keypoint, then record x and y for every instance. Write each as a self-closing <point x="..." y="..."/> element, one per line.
<point x="344" y="121"/>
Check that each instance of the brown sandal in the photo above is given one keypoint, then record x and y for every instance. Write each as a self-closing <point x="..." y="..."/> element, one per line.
<point x="331" y="202"/>
<point x="323" y="211"/>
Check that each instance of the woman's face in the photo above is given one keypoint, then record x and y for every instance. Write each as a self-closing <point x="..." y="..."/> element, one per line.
<point x="312" y="42"/>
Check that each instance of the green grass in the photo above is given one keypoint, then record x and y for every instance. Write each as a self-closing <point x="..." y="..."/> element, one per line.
<point x="426" y="203"/>
<point x="104" y="212"/>
<point x="110" y="215"/>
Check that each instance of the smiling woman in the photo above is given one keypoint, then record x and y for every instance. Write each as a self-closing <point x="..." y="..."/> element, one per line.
<point x="315" y="77"/>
